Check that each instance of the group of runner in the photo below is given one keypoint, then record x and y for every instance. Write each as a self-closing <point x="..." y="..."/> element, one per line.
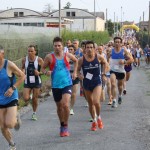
<point x="92" y="67"/>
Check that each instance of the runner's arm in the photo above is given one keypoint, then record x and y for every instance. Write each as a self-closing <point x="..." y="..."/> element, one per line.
<point x="75" y="60"/>
<point x="129" y="56"/>
<point x="23" y="65"/>
<point x="16" y="71"/>
<point x="46" y="63"/>
<point x="104" y="64"/>
<point x="80" y="61"/>
<point x="40" y="62"/>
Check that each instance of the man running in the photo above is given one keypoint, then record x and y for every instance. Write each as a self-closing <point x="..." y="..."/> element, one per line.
<point x="58" y="62"/>
<point x="9" y="97"/>
<point x="90" y="64"/>
<point x="31" y="65"/>
<point x="117" y="72"/>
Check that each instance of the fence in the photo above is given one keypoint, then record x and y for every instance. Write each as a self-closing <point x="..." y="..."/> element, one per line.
<point x="16" y="39"/>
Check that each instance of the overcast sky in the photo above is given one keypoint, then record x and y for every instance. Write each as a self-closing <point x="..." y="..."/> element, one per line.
<point x="131" y="9"/>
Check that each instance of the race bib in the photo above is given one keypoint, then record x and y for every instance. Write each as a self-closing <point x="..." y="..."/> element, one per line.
<point x="89" y="76"/>
<point x="32" y="79"/>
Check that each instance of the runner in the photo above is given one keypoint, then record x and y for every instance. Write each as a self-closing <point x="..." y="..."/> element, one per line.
<point x="117" y="71"/>
<point x="128" y="69"/>
<point x="78" y="50"/>
<point x="75" y="82"/>
<point x="139" y="52"/>
<point x="9" y="97"/>
<point x="92" y="82"/>
<point x="68" y="42"/>
<point x="31" y="65"/>
<point x="61" y="81"/>
<point x="146" y="54"/>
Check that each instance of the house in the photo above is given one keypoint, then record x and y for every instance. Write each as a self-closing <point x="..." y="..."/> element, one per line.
<point x="27" y="17"/>
<point x="73" y="19"/>
<point x="83" y="19"/>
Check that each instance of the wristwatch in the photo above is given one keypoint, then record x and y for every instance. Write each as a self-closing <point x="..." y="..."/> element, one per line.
<point x="13" y="87"/>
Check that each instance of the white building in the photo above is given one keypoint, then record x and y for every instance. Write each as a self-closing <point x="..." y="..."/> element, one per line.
<point x="73" y="19"/>
<point x="83" y="19"/>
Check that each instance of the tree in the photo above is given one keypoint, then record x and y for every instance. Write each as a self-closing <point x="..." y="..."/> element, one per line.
<point x="68" y="5"/>
<point x="48" y="8"/>
<point x="110" y="27"/>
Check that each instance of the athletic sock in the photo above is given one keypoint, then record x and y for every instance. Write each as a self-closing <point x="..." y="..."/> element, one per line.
<point x="12" y="143"/>
<point x="99" y="117"/>
<point x="94" y="120"/>
<point x="114" y="100"/>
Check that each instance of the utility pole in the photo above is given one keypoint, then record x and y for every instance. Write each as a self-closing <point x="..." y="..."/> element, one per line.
<point x="114" y="24"/>
<point x="117" y="25"/>
<point x="94" y="17"/>
<point x="106" y="21"/>
<point x="149" y="23"/>
<point x="59" y="18"/>
<point x="121" y="20"/>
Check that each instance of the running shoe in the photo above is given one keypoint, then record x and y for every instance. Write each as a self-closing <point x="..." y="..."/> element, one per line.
<point x="91" y="120"/>
<point x="61" y="131"/>
<point x="100" y="123"/>
<point x="114" y="104"/>
<point x="94" y="126"/>
<point x="18" y="124"/>
<point x="124" y="92"/>
<point x="64" y="131"/>
<point x="71" y="112"/>
<point x="119" y="100"/>
<point x="34" y="117"/>
<point x="12" y="147"/>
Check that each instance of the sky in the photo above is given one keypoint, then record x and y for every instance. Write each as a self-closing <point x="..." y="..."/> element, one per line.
<point x="125" y="10"/>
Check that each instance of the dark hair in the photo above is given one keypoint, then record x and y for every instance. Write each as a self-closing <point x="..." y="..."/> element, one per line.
<point x="90" y="42"/>
<point x="83" y="42"/>
<point x="32" y="46"/>
<point x="117" y="37"/>
<point x="35" y="48"/>
<point x="71" y="46"/>
<point x="57" y="39"/>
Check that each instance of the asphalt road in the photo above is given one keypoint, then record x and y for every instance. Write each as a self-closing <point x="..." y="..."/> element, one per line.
<point x="125" y="128"/>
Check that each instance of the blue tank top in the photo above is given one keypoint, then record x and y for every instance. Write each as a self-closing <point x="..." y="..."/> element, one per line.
<point x="5" y="83"/>
<point x="61" y="74"/>
<point x="91" y="72"/>
<point x="78" y="53"/>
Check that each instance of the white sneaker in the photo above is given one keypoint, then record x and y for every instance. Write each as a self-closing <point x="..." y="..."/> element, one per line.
<point x="71" y="112"/>
<point x="114" y="104"/>
<point x="12" y="147"/>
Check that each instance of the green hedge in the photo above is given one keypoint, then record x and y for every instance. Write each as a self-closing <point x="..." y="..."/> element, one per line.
<point x="98" y="37"/>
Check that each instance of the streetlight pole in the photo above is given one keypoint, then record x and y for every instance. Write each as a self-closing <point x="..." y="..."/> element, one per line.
<point x="94" y="17"/>
<point x="59" y="18"/>
<point x="106" y="21"/>
<point x="121" y="20"/>
<point x="117" y="25"/>
<point x="149" y="23"/>
<point x="114" y="24"/>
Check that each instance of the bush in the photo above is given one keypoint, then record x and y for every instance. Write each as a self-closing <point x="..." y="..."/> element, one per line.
<point x="98" y="37"/>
